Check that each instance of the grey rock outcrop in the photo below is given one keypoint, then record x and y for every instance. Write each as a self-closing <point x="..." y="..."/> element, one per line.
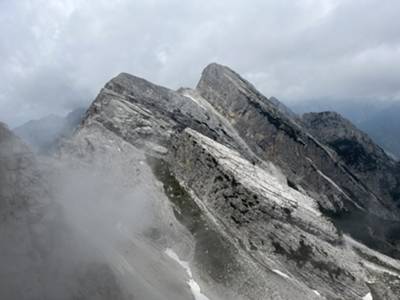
<point x="307" y="162"/>
<point x="146" y="114"/>
<point x="259" y="203"/>
<point x="264" y="201"/>
<point x="363" y="157"/>
<point x="276" y="226"/>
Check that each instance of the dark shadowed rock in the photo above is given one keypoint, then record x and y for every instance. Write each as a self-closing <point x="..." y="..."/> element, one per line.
<point x="357" y="150"/>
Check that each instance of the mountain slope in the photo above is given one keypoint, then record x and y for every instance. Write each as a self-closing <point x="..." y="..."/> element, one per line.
<point x="308" y="163"/>
<point x="259" y="195"/>
<point x="40" y="256"/>
<point x="209" y="193"/>
<point x="365" y="159"/>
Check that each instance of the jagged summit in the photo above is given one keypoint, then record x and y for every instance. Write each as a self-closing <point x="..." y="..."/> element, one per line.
<point x="261" y="203"/>
<point x="229" y="109"/>
<point x="223" y="139"/>
<point x="215" y="72"/>
<point x="216" y="76"/>
<point x="214" y="69"/>
<point x="219" y="77"/>
<point x="131" y="82"/>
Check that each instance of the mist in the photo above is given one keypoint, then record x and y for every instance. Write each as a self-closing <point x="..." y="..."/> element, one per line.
<point x="101" y="232"/>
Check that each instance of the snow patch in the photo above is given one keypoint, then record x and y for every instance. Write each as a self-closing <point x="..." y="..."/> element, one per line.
<point x="281" y="274"/>
<point x="332" y="183"/>
<point x="316" y="293"/>
<point x="194" y="286"/>
<point x="368" y="297"/>
<point x="185" y="265"/>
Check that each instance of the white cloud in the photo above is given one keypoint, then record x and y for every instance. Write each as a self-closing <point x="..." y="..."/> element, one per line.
<point x="57" y="54"/>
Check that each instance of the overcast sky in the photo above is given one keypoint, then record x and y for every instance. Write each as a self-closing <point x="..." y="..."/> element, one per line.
<point x="56" y="55"/>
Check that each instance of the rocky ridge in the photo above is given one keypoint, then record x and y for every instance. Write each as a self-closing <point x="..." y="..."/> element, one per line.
<point x="216" y="192"/>
<point x="246" y="177"/>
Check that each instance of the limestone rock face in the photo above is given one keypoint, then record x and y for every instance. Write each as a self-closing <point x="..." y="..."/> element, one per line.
<point x="263" y="197"/>
<point x="218" y="192"/>
<point x="275" y="136"/>
<point x="308" y="162"/>
<point x="277" y="226"/>
<point x="146" y="114"/>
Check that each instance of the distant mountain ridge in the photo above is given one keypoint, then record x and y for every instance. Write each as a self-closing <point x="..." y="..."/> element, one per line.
<point x="379" y="120"/>
<point x="384" y="128"/>
<point x="43" y="134"/>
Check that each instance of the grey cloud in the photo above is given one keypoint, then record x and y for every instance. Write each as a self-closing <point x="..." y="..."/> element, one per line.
<point x="58" y="54"/>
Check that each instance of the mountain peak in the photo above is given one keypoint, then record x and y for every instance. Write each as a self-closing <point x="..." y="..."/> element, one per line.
<point x="281" y="190"/>
<point x="220" y="82"/>
<point x="214" y="68"/>
<point x="127" y="79"/>
<point x="334" y="123"/>
<point x="216" y="73"/>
